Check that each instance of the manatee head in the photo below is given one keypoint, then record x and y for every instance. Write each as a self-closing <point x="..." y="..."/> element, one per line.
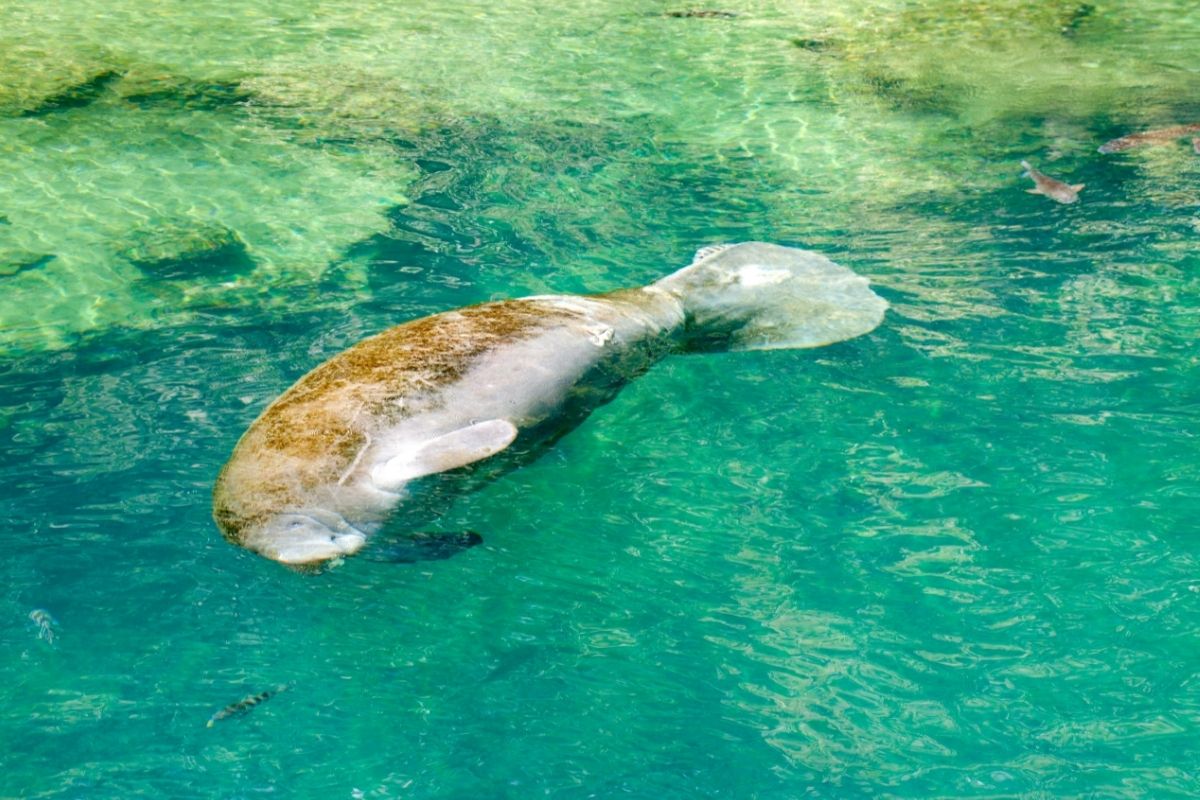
<point x="302" y="539"/>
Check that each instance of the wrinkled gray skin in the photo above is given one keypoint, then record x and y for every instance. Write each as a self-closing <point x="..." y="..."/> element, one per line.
<point x="405" y="419"/>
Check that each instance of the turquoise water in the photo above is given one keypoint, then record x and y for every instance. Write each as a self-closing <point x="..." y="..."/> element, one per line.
<point x="954" y="558"/>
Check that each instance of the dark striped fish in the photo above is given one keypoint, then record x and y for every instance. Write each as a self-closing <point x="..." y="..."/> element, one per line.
<point x="701" y="13"/>
<point x="1152" y="138"/>
<point x="244" y="705"/>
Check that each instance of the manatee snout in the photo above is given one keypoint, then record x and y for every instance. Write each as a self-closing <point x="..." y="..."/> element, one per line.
<point x="300" y="540"/>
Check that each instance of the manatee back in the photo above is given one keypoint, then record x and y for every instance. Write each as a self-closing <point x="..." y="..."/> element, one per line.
<point x="303" y="449"/>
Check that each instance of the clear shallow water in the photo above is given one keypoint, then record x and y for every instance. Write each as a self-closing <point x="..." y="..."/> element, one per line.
<point x="955" y="558"/>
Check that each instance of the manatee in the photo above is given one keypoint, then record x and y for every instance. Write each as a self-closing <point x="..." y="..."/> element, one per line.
<point x="383" y="435"/>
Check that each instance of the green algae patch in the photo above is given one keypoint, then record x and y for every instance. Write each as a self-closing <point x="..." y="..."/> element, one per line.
<point x="41" y="78"/>
<point x="120" y="196"/>
<point x="342" y="101"/>
<point x="148" y="87"/>
<point x="185" y="249"/>
<point x="231" y="150"/>
<point x="13" y="260"/>
<point x="979" y="61"/>
<point x="75" y="95"/>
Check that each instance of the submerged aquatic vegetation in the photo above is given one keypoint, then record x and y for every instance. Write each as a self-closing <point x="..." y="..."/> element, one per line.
<point x="292" y="136"/>
<point x="186" y="248"/>
<point x="199" y="186"/>
<point x="41" y="75"/>
<point x="981" y="61"/>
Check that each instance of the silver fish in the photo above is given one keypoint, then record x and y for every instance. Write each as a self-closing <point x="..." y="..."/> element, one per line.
<point x="1054" y="189"/>
<point x="244" y="705"/>
<point x="1154" y="138"/>
<point x="45" y="624"/>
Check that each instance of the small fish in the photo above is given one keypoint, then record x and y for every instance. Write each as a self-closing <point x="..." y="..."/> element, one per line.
<point x="810" y="43"/>
<point x="45" y="624"/>
<point x="1055" y="190"/>
<point x="1196" y="144"/>
<point x="1152" y="138"/>
<point x="244" y="705"/>
<point x="701" y="13"/>
<point x="1076" y="18"/>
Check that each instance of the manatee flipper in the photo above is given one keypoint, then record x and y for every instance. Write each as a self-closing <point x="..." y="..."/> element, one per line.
<point x="760" y="296"/>
<point x="425" y="547"/>
<point x="448" y="451"/>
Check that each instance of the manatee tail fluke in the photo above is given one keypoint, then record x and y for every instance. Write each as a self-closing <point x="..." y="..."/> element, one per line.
<point x="759" y="296"/>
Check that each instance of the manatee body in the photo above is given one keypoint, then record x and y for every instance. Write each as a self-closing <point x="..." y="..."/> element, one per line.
<point x="389" y="429"/>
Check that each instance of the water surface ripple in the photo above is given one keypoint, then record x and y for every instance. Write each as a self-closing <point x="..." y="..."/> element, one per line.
<point x="954" y="558"/>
